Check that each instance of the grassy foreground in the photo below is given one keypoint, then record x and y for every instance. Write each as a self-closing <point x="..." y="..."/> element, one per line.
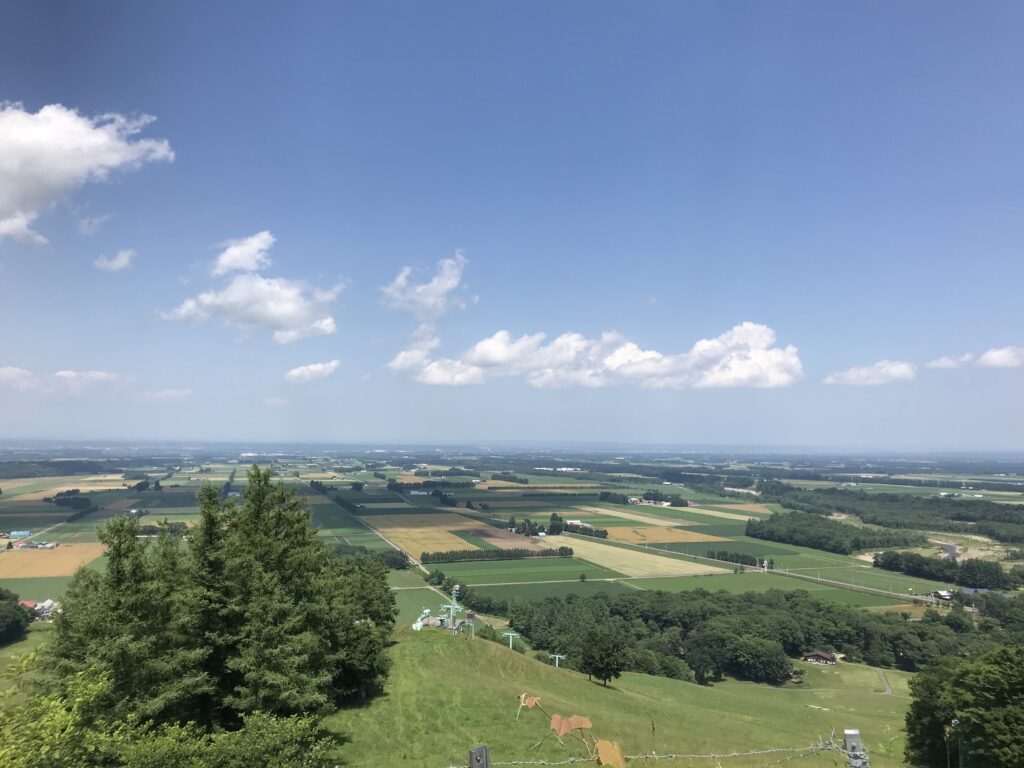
<point x="447" y="694"/>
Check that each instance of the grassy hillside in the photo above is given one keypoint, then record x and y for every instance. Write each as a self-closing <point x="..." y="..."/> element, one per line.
<point x="447" y="694"/>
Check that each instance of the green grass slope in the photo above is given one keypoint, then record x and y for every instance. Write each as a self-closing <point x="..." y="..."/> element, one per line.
<point x="447" y="694"/>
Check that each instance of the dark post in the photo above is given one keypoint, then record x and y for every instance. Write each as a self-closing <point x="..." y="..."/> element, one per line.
<point x="480" y="757"/>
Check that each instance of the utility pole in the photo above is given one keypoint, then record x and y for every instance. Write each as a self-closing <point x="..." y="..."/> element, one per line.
<point x="557" y="657"/>
<point x="511" y="636"/>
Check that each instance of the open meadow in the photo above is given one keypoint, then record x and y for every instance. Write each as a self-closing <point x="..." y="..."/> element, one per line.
<point x="428" y="729"/>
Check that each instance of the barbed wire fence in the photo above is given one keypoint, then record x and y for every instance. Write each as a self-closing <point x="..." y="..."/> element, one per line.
<point x="851" y="752"/>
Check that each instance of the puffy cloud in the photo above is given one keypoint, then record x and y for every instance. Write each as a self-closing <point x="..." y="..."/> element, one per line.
<point x="248" y="254"/>
<point x="288" y="308"/>
<point x="16" y="378"/>
<point x="950" y="361"/>
<point x="1002" y="357"/>
<point x="48" y="154"/>
<point x="121" y="260"/>
<point x="416" y="356"/>
<point x="166" y="395"/>
<point x="312" y="371"/>
<point x="882" y="372"/>
<point x="450" y="373"/>
<point x="430" y="300"/>
<point x="744" y="356"/>
<point x="18" y="226"/>
<point x="997" y="357"/>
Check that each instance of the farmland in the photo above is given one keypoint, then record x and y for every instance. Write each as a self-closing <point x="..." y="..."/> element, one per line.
<point x="648" y="543"/>
<point x="640" y="550"/>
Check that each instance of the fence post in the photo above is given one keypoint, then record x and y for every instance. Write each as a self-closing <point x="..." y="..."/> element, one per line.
<point x="480" y="757"/>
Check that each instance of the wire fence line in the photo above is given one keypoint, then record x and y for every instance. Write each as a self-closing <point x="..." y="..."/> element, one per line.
<point x="792" y="753"/>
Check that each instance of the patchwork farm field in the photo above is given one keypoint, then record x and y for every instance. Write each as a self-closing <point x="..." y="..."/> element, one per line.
<point x="635" y="562"/>
<point x="427" y="532"/>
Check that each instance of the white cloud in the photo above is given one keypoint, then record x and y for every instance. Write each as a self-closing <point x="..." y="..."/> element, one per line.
<point x="166" y="395"/>
<point x="287" y="308"/>
<point x="744" y="356"/>
<point x="16" y="378"/>
<point x="90" y="225"/>
<point x="312" y="371"/>
<point x="951" y="361"/>
<point x="882" y="372"/>
<point x="450" y="373"/>
<point x="18" y="226"/>
<point x="248" y="254"/>
<point x="121" y="260"/>
<point x="1002" y="357"/>
<point x="430" y="300"/>
<point x="47" y="155"/>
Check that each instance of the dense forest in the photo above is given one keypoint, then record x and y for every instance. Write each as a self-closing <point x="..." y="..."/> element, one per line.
<point x="806" y="529"/>
<point x="223" y="648"/>
<point x="1003" y="522"/>
<point x="971" y="709"/>
<point x="974" y="572"/>
<point x="752" y="635"/>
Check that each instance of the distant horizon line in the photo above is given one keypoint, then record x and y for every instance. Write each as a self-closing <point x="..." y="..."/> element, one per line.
<point x="597" y="446"/>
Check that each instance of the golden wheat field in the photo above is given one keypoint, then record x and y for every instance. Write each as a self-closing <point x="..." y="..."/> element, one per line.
<point x="423" y="533"/>
<point x="62" y="561"/>
<point x="655" y="534"/>
<point x="633" y="562"/>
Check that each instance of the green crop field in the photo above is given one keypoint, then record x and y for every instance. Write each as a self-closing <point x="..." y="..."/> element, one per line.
<point x="447" y="694"/>
<point x="413" y="577"/>
<point x="38" y="588"/>
<point x="531" y="569"/>
<point x="477" y="541"/>
<point x="410" y="602"/>
<point x="761" y="582"/>
<point x="529" y="592"/>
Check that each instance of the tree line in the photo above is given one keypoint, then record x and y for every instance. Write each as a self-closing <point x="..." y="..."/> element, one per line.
<point x="518" y="553"/>
<point x="739" y="557"/>
<point x="1003" y="522"/>
<point x="806" y="529"/>
<point x="976" y="573"/>
<point x="752" y="635"/>
<point x="674" y="500"/>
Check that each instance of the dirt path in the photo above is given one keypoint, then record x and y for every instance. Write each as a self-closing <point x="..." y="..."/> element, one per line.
<point x="885" y="682"/>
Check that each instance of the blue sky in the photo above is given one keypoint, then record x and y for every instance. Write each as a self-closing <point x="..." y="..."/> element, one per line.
<point x="741" y="223"/>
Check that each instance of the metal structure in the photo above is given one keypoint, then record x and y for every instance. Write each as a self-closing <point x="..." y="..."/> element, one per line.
<point x="855" y="749"/>
<point x="557" y="657"/>
<point x="453" y="609"/>
<point x="511" y="636"/>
